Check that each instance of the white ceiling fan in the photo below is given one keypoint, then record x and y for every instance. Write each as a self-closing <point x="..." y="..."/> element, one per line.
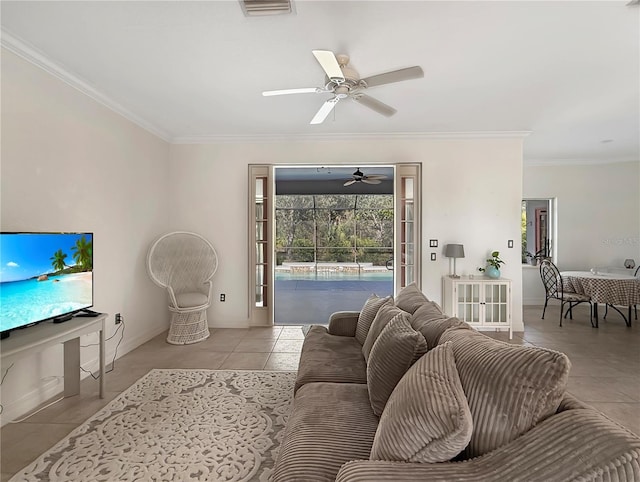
<point x="342" y="81"/>
<point x="359" y="176"/>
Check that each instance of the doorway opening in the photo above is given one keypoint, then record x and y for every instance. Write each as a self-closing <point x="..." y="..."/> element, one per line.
<point x="334" y="243"/>
<point x="323" y="239"/>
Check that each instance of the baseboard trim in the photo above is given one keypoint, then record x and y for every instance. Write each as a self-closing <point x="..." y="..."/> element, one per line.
<point x="31" y="400"/>
<point x="52" y="388"/>
<point x="125" y="347"/>
<point x="533" y="301"/>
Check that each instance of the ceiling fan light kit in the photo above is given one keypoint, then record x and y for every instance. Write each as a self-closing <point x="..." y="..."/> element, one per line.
<point x="344" y="82"/>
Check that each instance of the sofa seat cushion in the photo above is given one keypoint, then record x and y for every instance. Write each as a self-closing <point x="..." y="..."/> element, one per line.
<point x="330" y="358"/>
<point x="427" y="418"/>
<point x="510" y="388"/>
<point x="330" y="424"/>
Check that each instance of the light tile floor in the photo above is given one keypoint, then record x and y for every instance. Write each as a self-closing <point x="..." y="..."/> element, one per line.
<point x="605" y="372"/>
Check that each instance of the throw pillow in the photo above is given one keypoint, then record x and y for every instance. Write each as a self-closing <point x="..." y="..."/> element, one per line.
<point x="383" y="316"/>
<point x="510" y="388"/>
<point x="410" y="298"/>
<point x="367" y="315"/>
<point x="395" y="350"/>
<point x="427" y="417"/>
<point x="433" y="329"/>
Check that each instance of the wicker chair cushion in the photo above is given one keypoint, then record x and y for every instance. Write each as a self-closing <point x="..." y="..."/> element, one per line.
<point x="395" y="350"/>
<point x="368" y="314"/>
<point x="510" y="388"/>
<point x="385" y="314"/>
<point x="410" y="298"/>
<point x="189" y="300"/>
<point x="427" y="418"/>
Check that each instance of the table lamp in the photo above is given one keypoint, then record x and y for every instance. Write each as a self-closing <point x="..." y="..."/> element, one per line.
<point x="454" y="251"/>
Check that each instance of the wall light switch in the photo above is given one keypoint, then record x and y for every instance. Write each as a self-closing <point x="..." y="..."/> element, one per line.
<point x="510" y="243"/>
<point x="433" y="243"/>
<point x="433" y="256"/>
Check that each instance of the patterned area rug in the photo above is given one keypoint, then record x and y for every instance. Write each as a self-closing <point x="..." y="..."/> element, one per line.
<point x="174" y="425"/>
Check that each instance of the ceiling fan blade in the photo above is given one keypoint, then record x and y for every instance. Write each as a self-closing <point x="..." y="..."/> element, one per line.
<point x="376" y="176"/>
<point x="324" y="111"/>
<point x="349" y="183"/>
<point x="329" y="64"/>
<point x="371" y="181"/>
<point x="307" y="90"/>
<point x="371" y="103"/>
<point x="394" y="76"/>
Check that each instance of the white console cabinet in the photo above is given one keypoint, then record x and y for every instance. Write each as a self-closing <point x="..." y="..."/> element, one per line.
<point x="484" y="303"/>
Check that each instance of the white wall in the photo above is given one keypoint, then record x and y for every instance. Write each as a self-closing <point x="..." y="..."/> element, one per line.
<point x="472" y="190"/>
<point x="598" y="216"/>
<point x="70" y="164"/>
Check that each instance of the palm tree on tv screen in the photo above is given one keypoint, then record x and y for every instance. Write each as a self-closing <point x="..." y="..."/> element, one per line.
<point x="57" y="260"/>
<point x="82" y="253"/>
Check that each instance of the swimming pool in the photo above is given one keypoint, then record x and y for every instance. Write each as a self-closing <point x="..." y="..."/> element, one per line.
<point x="334" y="276"/>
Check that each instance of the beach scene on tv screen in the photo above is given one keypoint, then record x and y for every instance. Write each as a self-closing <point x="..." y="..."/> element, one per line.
<point x="43" y="276"/>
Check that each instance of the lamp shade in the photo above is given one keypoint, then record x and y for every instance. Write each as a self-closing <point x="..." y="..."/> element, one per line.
<point x="454" y="251"/>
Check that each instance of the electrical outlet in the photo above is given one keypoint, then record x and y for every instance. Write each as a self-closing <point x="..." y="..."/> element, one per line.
<point x="510" y="243"/>
<point x="118" y="318"/>
<point x="223" y="297"/>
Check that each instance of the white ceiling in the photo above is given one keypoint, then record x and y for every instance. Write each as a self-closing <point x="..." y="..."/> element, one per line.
<point x="568" y="72"/>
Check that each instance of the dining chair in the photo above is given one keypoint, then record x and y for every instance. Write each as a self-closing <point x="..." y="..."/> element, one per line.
<point x="637" y="275"/>
<point x="554" y="289"/>
<point x="635" y="307"/>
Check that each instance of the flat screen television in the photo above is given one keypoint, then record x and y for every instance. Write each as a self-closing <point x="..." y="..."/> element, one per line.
<point x="44" y="276"/>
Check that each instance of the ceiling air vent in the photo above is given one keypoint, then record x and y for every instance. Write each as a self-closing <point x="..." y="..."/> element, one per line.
<point x="253" y="8"/>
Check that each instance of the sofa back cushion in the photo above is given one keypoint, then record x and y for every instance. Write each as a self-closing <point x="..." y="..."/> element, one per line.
<point x="510" y="388"/>
<point x="432" y="329"/>
<point x="410" y="298"/>
<point x="427" y="418"/>
<point x="383" y="316"/>
<point x="427" y="311"/>
<point x="368" y="314"/>
<point x="395" y="350"/>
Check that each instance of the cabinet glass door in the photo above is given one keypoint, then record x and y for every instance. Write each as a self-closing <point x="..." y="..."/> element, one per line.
<point x="496" y="303"/>
<point x="468" y="301"/>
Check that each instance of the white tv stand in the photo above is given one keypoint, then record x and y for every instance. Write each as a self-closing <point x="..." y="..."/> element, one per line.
<point x="32" y="340"/>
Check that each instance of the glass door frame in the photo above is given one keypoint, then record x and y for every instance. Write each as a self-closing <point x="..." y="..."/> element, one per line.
<point x="407" y="266"/>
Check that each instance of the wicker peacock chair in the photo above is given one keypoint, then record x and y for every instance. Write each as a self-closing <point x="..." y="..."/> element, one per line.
<point x="184" y="264"/>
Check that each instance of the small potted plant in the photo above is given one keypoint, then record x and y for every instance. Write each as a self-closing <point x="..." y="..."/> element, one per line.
<point x="492" y="270"/>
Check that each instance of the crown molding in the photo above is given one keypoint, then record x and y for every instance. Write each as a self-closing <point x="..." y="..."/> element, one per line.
<point x="577" y="161"/>
<point x="36" y="57"/>
<point x="267" y="138"/>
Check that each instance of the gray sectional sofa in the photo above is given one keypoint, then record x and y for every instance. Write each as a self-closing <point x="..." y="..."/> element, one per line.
<point x="400" y="391"/>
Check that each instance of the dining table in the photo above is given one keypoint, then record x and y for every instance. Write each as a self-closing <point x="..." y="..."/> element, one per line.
<point x="610" y="289"/>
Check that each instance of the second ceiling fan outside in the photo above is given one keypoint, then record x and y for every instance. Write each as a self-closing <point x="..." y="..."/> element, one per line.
<point x="359" y="176"/>
<point x="344" y="82"/>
